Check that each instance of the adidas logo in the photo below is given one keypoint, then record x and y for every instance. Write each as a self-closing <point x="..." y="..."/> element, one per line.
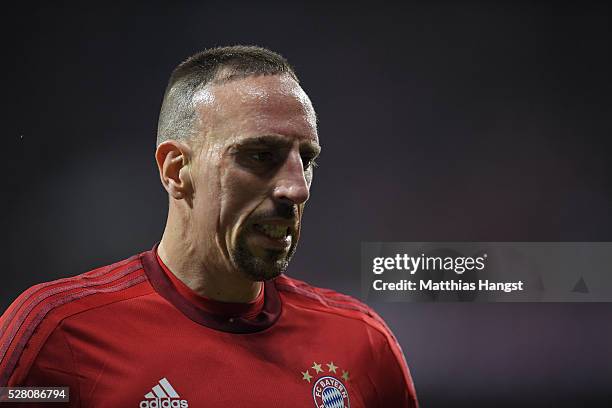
<point x="163" y="395"/>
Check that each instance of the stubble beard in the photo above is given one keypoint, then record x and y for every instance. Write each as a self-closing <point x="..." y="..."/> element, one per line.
<point x="260" y="269"/>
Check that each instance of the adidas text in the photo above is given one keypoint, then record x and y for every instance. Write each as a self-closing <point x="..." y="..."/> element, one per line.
<point x="164" y="403"/>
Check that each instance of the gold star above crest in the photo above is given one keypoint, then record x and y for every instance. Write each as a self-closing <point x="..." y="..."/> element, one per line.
<point x="331" y="367"/>
<point x="345" y="375"/>
<point x="306" y="376"/>
<point x="317" y="367"/>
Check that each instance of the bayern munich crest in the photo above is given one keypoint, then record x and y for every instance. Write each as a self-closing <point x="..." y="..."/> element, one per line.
<point x="328" y="391"/>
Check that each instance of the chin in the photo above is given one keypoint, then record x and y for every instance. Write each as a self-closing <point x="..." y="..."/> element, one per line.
<point x="264" y="266"/>
<point x="258" y="269"/>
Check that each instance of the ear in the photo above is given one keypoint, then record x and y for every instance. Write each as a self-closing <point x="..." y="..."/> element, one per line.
<point x="173" y="159"/>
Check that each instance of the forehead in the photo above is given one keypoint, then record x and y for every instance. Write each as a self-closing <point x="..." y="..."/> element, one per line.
<point x="256" y="106"/>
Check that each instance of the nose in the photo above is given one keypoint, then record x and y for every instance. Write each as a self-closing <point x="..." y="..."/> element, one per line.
<point x="290" y="181"/>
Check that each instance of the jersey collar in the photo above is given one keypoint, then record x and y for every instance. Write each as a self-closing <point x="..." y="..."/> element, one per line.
<point x="163" y="286"/>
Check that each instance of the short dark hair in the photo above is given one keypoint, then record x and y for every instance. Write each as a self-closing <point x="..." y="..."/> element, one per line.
<point x="218" y="65"/>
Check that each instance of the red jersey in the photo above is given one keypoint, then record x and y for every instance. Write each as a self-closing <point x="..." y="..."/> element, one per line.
<point x="129" y="335"/>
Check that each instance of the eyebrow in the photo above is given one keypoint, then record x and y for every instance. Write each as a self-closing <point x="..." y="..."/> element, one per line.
<point x="274" y="141"/>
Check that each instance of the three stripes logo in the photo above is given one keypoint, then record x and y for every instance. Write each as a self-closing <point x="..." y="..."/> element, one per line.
<point x="163" y="395"/>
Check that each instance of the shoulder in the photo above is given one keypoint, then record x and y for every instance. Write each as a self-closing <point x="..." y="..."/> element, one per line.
<point x="397" y="390"/>
<point x="329" y="301"/>
<point x="37" y="312"/>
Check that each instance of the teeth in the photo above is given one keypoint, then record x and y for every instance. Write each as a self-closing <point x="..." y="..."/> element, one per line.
<point x="273" y="231"/>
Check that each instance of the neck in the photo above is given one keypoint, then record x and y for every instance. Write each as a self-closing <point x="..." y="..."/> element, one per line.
<point x="198" y="271"/>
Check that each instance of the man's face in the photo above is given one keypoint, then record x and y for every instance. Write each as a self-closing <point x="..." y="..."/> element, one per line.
<point x="252" y="174"/>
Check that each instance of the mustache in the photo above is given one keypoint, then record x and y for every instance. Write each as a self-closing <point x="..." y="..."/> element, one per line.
<point x="281" y="210"/>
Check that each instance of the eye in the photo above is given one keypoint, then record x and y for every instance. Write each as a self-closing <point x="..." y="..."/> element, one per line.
<point x="262" y="157"/>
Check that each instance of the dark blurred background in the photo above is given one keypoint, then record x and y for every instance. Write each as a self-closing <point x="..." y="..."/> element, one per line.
<point x="440" y="121"/>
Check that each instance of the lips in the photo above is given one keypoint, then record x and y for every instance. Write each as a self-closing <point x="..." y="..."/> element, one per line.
<point x="273" y="231"/>
<point x="274" y="234"/>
